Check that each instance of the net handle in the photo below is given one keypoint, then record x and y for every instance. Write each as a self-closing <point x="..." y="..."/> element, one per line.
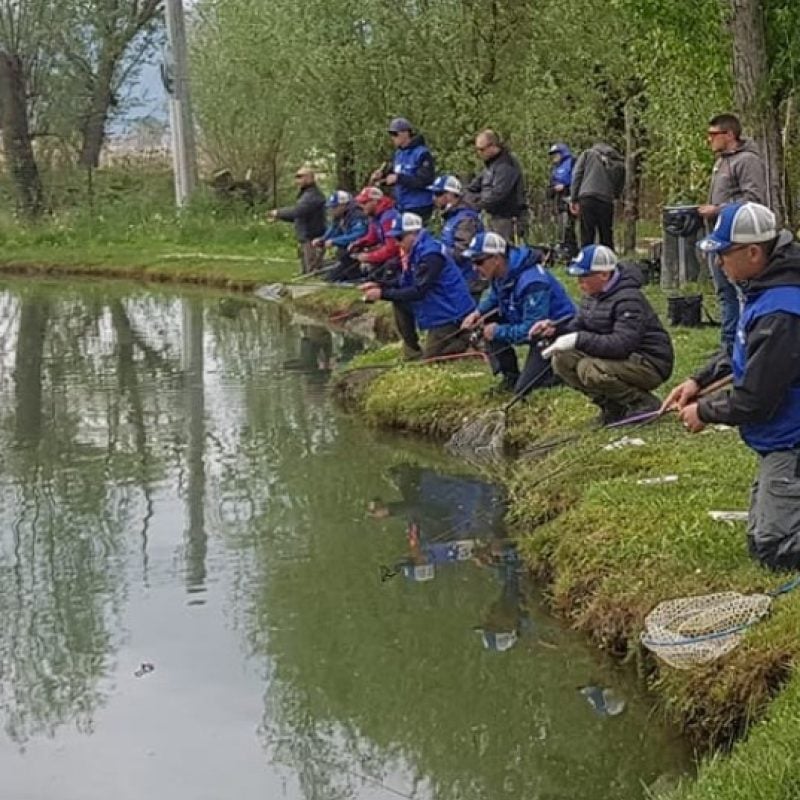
<point x="785" y="588"/>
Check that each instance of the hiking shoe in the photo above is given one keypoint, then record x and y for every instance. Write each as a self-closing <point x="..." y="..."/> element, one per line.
<point x="609" y="412"/>
<point x="646" y="404"/>
<point x="409" y="354"/>
<point x="505" y="386"/>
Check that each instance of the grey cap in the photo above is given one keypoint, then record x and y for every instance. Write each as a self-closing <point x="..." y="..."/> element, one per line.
<point x="400" y="124"/>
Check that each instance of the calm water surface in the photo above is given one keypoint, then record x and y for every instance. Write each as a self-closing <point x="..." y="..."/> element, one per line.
<point x="190" y="602"/>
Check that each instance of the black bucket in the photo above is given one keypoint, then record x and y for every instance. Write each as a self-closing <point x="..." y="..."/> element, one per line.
<point x="687" y="311"/>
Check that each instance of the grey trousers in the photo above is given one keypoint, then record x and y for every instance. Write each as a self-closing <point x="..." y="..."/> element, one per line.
<point x="311" y="257"/>
<point x="623" y="381"/>
<point x="773" y="527"/>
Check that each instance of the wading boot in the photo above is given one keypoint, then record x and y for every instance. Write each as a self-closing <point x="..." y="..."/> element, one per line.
<point x="609" y="412"/>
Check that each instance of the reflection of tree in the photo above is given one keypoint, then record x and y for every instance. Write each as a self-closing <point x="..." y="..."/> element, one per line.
<point x="75" y="462"/>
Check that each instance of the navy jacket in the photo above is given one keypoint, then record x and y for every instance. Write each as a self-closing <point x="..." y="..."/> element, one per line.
<point x="461" y="224"/>
<point x="527" y="294"/>
<point x="346" y="229"/>
<point x="415" y="170"/>
<point x="561" y="173"/>
<point x="307" y="214"/>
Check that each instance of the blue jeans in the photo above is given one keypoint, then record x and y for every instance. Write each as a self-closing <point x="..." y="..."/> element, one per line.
<point x="728" y="298"/>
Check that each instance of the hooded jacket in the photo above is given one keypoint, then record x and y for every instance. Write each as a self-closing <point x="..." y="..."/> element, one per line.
<point x="380" y="247"/>
<point x="739" y="176"/>
<point x="590" y="177"/>
<point x="307" y="214"/>
<point x="345" y="230"/>
<point x="415" y="170"/>
<point x="765" y="401"/>
<point x="500" y="188"/>
<point x="620" y="323"/>
<point x="461" y="224"/>
<point x="561" y="173"/>
<point x="526" y="294"/>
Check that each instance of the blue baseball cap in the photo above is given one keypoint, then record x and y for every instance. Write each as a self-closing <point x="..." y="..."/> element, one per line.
<point x="740" y="223"/>
<point x="593" y="258"/>
<point x="338" y="198"/>
<point x="446" y="183"/>
<point x="486" y="244"/>
<point x="405" y="223"/>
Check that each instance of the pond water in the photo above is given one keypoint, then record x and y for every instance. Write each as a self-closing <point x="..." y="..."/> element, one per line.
<point x="191" y="597"/>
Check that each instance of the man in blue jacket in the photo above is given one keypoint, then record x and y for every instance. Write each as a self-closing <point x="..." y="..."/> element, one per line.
<point x="765" y="365"/>
<point x="562" y="162"/>
<point x="521" y="293"/>
<point x="460" y="225"/>
<point x="430" y="292"/>
<point x="411" y="172"/>
<point x="348" y="223"/>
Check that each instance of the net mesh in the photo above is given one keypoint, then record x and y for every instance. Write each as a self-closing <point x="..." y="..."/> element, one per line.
<point x="480" y="439"/>
<point x="695" y="630"/>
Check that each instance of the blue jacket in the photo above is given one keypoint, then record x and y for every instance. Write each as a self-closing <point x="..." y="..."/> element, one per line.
<point x="782" y="430"/>
<point x="346" y="229"/>
<point x="453" y="219"/>
<point x="415" y="170"/>
<point x="433" y="284"/>
<point x="561" y="173"/>
<point x="527" y="293"/>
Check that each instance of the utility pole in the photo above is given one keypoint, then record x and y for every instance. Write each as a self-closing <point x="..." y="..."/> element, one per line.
<point x="176" y="81"/>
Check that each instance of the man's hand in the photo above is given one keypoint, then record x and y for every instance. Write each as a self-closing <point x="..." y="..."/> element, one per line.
<point x="318" y="242"/>
<point x="377" y="176"/>
<point x="559" y="187"/>
<point x="371" y="292"/>
<point x="362" y="258"/>
<point x="708" y="211"/>
<point x="682" y="394"/>
<point x="565" y="342"/>
<point x="691" y="420"/>
<point x="272" y="215"/>
<point x="390" y="179"/>
<point x="489" y="331"/>
<point x="471" y="320"/>
<point x="543" y="329"/>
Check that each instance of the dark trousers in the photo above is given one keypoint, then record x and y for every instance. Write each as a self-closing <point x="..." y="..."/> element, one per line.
<point x="536" y="374"/>
<point x="346" y="269"/>
<point x="597" y="221"/>
<point x="512" y="229"/>
<point x="565" y="221"/>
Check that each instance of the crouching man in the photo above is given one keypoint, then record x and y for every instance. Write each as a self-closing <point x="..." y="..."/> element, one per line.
<point x="616" y="350"/>
<point x="765" y="365"/>
<point x="521" y="293"/>
<point x="430" y="293"/>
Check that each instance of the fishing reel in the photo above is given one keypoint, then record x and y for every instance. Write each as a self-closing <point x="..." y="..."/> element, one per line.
<point x="475" y="339"/>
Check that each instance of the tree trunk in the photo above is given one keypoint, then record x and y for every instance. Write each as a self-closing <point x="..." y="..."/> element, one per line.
<point x="17" y="144"/>
<point x="102" y="98"/>
<point x="760" y="111"/>
<point x="630" y="201"/>
<point x="345" y="163"/>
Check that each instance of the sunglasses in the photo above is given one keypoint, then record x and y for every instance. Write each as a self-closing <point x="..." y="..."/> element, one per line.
<point x="712" y="134"/>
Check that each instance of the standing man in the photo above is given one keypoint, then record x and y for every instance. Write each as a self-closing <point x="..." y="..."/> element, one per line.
<point x="597" y="178"/>
<point x="563" y="162"/>
<point x="308" y="216"/>
<point x="430" y="293"/>
<point x="738" y="176"/>
<point x="499" y="189"/>
<point x="522" y="292"/>
<point x="460" y="224"/>
<point x="765" y="365"/>
<point x="411" y="172"/>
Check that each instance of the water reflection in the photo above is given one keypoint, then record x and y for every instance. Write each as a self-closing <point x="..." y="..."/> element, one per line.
<point x="176" y="490"/>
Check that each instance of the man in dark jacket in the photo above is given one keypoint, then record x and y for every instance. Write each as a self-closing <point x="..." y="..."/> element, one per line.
<point x="499" y="190"/>
<point x="765" y="365"/>
<point x="563" y="162"/>
<point x="460" y="224"/>
<point x="616" y="350"/>
<point x="308" y="216"/>
<point x="411" y="171"/>
<point x="430" y="291"/>
<point x="738" y="176"/>
<point x="348" y="223"/>
<point x="521" y="293"/>
<point x="593" y="191"/>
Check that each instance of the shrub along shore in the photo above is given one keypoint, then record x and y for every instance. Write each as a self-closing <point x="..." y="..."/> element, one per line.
<point x="608" y="540"/>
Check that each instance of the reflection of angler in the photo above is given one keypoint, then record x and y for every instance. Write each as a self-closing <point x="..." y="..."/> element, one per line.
<point x="506" y="618"/>
<point x="316" y="350"/>
<point x="424" y="556"/>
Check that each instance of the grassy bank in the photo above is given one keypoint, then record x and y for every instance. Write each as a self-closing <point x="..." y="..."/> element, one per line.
<point x="610" y="548"/>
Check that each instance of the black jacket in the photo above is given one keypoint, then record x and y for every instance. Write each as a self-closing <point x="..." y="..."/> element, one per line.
<point x="773" y="351"/>
<point x="621" y="322"/>
<point x="500" y="188"/>
<point x="307" y="214"/>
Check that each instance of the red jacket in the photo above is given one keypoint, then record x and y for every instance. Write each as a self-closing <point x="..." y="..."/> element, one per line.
<point x="381" y="247"/>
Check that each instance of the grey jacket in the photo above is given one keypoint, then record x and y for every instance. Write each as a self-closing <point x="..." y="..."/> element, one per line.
<point x="307" y="214"/>
<point x="739" y="176"/>
<point x="590" y="176"/>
